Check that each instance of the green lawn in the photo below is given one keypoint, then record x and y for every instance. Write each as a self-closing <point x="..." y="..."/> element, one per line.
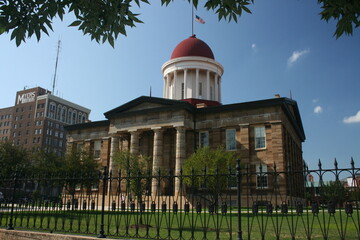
<point x="191" y="225"/>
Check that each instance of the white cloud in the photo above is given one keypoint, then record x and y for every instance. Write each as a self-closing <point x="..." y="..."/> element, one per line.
<point x="318" y="109"/>
<point x="254" y="47"/>
<point x="352" y="119"/>
<point x="296" y="55"/>
<point x="315" y="100"/>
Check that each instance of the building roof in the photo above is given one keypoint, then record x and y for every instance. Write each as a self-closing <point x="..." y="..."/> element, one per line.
<point x="192" y="46"/>
<point x="103" y="123"/>
<point x="155" y="104"/>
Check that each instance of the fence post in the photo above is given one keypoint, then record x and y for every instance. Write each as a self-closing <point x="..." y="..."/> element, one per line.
<point x="238" y="178"/>
<point x="11" y="226"/>
<point x="104" y="178"/>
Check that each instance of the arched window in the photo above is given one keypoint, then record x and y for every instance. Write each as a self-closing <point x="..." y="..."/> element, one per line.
<point x="79" y="117"/>
<point x="74" y="117"/>
<point x="52" y="111"/>
<point x="69" y="116"/>
<point x="58" y="112"/>
<point x="63" y="114"/>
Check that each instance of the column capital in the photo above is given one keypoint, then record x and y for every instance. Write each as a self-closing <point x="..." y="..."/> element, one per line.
<point x="158" y="129"/>
<point x="180" y="128"/>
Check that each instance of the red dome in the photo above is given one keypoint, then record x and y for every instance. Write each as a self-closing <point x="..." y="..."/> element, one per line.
<point x="192" y="47"/>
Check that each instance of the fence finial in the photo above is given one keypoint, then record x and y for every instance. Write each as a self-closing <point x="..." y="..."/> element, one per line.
<point x="335" y="164"/>
<point x="319" y="164"/>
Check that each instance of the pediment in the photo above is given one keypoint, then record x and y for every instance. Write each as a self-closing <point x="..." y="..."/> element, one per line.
<point x="146" y="104"/>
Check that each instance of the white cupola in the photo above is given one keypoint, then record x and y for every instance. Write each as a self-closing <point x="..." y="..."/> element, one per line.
<point x="192" y="72"/>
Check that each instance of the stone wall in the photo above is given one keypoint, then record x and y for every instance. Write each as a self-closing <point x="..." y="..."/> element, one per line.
<point x="28" y="235"/>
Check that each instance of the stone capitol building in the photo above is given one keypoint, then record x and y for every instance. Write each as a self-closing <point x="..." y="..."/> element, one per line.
<point x="191" y="115"/>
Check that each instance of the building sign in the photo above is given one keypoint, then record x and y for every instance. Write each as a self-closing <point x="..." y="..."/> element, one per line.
<point x="26" y="97"/>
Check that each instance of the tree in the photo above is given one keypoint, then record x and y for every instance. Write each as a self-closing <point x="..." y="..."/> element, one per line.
<point x="80" y="171"/>
<point x="104" y="20"/>
<point x="47" y="164"/>
<point x="207" y="172"/>
<point x="136" y="168"/>
<point x="334" y="192"/>
<point x="13" y="159"/>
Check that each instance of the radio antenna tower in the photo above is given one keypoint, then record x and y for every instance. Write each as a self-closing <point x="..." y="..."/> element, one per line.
<point x="56" y="63"/>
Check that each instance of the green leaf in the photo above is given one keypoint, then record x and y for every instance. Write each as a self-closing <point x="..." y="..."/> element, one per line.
<point x="75" y="23"/>
<point x="111" y="40"/>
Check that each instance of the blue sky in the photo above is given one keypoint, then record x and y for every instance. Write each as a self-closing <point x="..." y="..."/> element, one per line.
<point x="283" y="46"/>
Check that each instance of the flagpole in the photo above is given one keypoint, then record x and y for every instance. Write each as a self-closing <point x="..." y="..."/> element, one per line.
<point x="192" y="18"/>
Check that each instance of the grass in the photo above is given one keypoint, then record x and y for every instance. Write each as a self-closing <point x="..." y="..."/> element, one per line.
<point x="169" y="225"/>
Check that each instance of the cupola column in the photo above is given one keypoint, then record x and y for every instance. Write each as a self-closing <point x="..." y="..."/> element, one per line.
<point x="174" y="85"/>
<point x="167" y="86"/>
<point x="217" y="87"/>
<point x="208" y="85"/>
<point x="197" y="84"/>
<point x="219" y="83"/>
<point x="185" y="83"/>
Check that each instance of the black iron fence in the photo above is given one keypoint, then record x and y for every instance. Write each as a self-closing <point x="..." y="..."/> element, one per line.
<point x="239" y="203"/>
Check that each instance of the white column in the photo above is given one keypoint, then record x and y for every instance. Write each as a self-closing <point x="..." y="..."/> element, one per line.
<point x="134" y="142"/>
<point x="157" y="158"/>
<point x="174" y="85"/>
<point x="208" y="85"/>
<point x="185" y="85"/>
<point x="167" y="86"/>
<point x="219" y="86"/>
<point x="216" y="88"/>
<point x="196" y="95"/>
<point x="180" y="155"/>
<point x="114" y="147"/>
<point x="164" y="90"/>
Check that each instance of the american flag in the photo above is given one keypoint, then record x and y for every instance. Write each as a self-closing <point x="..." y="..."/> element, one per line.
<point x="199" y="19"/>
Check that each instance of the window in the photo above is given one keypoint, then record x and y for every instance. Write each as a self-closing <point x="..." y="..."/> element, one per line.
<point x="260" y="137"/>
<point x="97" y="148"/>
<point x="204" y="139"/>
<point x="200" y="90"/>
<point x="79" y="147"/>
<point x="182" y="90"/>
<point x="230" y="139"/>
<point x="261" y="176"/>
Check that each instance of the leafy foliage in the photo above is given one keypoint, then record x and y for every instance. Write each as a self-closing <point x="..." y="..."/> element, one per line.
<point x="136" y="167"/>
<point x="13" y="159"/>
<point x="80" y="170"/>
<point x="104" y="20"/>
<point x="210" y="168"/>
<point x="47" y="163"/>
<point x="335" y="192"/>
<point x="345" y="12"/>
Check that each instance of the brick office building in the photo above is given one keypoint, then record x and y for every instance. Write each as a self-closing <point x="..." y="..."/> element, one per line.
<point x="6" y="115"/>
<point x="191" y="115"/>
<point x="37" y="120"/>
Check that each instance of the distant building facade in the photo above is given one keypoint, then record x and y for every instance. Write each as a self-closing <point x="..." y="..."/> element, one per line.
<point x="190" y="115"/>
<point x="6" y="115"/>
<point x="38" y="118"/>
